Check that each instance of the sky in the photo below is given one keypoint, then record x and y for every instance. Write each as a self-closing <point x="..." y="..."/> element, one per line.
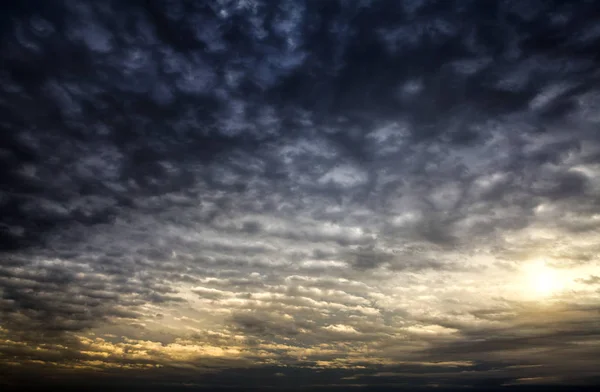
<point x="326" y="195"/>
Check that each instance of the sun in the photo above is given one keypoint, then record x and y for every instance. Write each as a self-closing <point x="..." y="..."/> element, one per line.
<point x="545" y="282"/>
<point x="542" y="280"/>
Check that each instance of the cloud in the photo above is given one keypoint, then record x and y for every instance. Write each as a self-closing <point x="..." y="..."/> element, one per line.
<point x="591" y="280"/>
<point x="339" y="192"/>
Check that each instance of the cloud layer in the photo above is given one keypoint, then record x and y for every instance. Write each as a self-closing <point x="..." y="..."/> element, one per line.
<point x="368" y="193"/>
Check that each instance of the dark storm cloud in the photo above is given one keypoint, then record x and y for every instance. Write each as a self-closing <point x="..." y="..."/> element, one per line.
<point x="287" y="158"/>
<point x="529" y="342"/>
<point x="112" y="151"/>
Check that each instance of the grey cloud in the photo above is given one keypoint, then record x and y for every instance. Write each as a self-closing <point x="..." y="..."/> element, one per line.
<point x="153" y="148"/>
<point x="265" y="324"/>
<point x="591" y="280"/>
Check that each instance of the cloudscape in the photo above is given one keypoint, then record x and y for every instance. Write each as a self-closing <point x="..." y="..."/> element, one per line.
<point x="300" y="195"/>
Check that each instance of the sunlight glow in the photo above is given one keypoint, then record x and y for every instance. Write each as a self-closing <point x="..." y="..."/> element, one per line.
<point x="543" y="280"/>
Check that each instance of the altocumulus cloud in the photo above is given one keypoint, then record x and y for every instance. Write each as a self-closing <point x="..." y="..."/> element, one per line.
<point x="320" y="194"/>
